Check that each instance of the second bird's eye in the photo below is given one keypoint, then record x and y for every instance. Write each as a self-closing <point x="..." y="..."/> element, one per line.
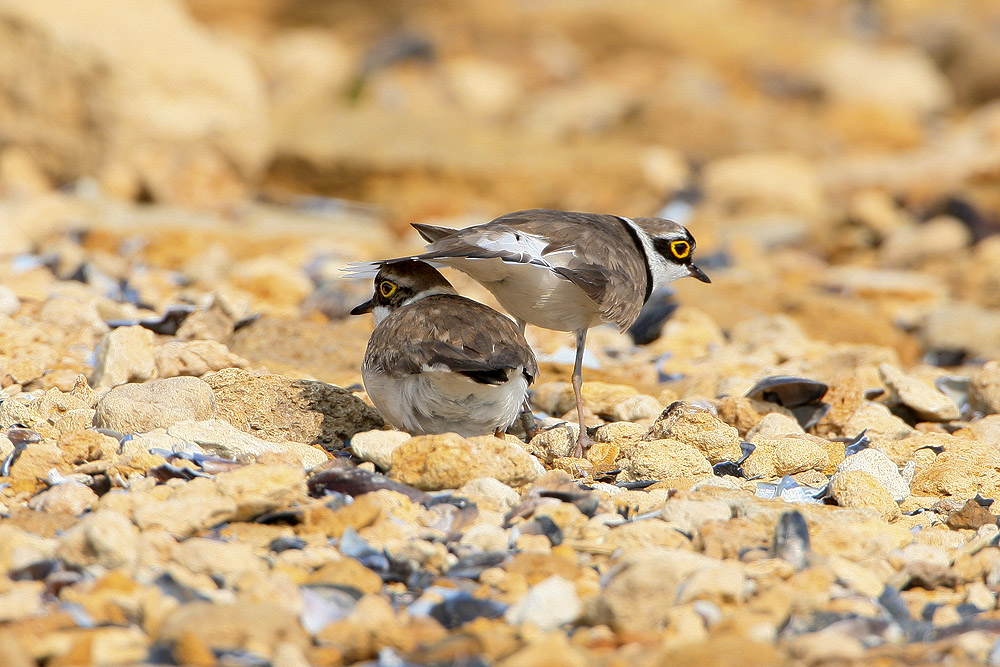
<point x="387" y="288"/>
<point x="680" y="249"/>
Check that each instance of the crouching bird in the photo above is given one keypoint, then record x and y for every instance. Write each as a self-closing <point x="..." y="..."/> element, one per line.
<point x="439" y="362"/>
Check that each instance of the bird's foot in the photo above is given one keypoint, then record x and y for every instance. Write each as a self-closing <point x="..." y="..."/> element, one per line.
<point x="528" y="424"/>
<point x="583" y="443"/>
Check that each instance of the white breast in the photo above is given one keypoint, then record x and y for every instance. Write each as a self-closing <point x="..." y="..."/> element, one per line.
<point x="439" y="401"/>
<point x="533" y="293"/>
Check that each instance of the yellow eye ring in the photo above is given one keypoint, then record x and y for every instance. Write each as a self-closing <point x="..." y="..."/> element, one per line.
<point x="387" y="288"/>
<point x="681" y="249"/>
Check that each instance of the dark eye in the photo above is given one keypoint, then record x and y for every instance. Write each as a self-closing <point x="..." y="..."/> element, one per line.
<point x="387" y="288"/>
<point x="680" y="249"/>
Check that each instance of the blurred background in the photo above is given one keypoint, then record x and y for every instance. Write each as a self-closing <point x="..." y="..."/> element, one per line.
<point x="837" y="160"/>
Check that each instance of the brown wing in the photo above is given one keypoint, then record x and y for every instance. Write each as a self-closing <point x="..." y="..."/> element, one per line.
<point x="459" y="333"/>
<point x="609" y="262"/>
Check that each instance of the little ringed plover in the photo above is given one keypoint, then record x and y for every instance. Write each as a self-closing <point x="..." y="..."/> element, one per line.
<point x="438" y="362"/>
<point x="567" y="271"/>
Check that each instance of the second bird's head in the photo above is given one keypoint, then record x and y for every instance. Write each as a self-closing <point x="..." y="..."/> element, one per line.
<point x="400" y="283"/>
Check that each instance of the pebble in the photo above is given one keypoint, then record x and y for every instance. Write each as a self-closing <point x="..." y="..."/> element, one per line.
<point x="68" y="498"/>
<point x="548" y="605"/>
<point x="194" y="357"/>
<point x="142" y="407"/>
<point x="106" y="538"/>
<point x="643" y="587"/>
<point x="877" y="421"/>
<point x="447" y="461"/>
<point x="665" y="460"/>
<point x="881" y="467"/>
<point x="699" y="428"/>
<point x="258" y="489"/>
<point x="489" y="494"/>
<point x="9" y="303"/>
<point x="124" y="355"/>
<point x="689" y="514"/>
<point x="926" y="401"/>
<point x="377" y="446"/>
<point x="857" y="488"/>
<point x="222" y="439"/>
<point x="985" y="388"/>
<point x="273" y="407"/>
<point x="636" y="408"/>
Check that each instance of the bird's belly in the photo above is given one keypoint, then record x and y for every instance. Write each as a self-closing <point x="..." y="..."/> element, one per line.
<point x="534" y="294"/>
<point x="442" y="401"/>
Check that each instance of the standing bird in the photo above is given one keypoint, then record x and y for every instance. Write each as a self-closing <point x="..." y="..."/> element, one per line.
<point x="567" y="271"/>
<point x="438" y="362"/>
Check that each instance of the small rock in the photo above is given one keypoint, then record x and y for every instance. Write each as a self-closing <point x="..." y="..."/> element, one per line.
<point x="21" y="600"/>
<point x="223" y="439"/>
<point x="972" y="516"/>
<point x="926" y="401"/>
<point x="910" y="245"/>
<point x="274" y="281"/>
<point x="273" y="407"/>
<point x="774" y="425"/>
<point x="224" y="561"/>
<point x="106" y="538"/>
<point x="215" y="324"/>
<point x="984" y="392"/>
<point x="377" y="446"/>
<point x="19" y="547"/>
<point x="257" y="489"/>
<point x="899" y="78"/>
<point x="547" y="605"/>
<point x="33" y="464"/>
<point x="347" y="573"/>
<point x="688" y="514"/>
<point x="986" y="430"/>
<point x="756" y="182"/>
<point x="195" y="357"/>
<point x="9" y="303"/>
<point x="721" y="583"/>
<point x="447" y="461"/>
<point x="140" y="408"/>
<point x="489" y="494"/>
<point x="619" y="432"/>
<point x="877" y="421"/>
<point x="184" y="514"/>
<point x="881" y="467"/>
<point x="248" y="625"/>
<point x="963" y="327"/>
<point x="553" y="398"/>
<point x="827" y="647"/>
<point x="961" y="472"/>
<point x="552" y="443"/>
<point x="857" y="488"/>
<point x="663" y="460"/>
<point x="795" y="455"/>
<point x="641" y="534"/>
<point x="699" y="428"/>
<point x="643" y="587"/>
<point x="124" y="355"/>
<point x="485" y="537"/>
<point x="641" y="406"/>
<point x="68" y="498"/>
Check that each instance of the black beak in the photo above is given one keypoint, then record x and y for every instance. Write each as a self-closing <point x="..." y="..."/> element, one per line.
<point x="694" y="272"/>
<point x="366" y="307"/>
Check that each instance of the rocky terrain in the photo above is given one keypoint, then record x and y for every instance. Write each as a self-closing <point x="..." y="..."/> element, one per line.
<point x="796" y="464"/>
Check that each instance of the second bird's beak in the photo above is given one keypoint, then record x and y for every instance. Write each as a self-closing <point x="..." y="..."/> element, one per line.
<point x="367" y="307"/>
<point x="694" y="272"/>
